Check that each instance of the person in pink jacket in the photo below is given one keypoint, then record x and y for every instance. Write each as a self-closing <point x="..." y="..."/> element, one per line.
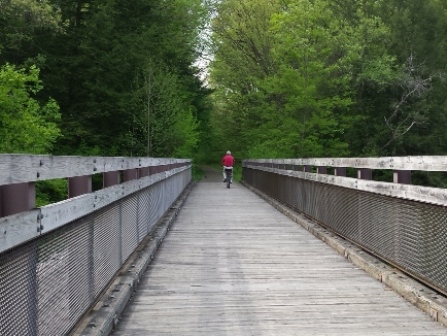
<point x="227" y="162"/>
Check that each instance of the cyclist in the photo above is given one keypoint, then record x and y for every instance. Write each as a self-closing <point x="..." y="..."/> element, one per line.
<point x="227" y="162"/>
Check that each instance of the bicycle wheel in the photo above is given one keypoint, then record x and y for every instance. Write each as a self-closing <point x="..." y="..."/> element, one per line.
<point x="228" y="174"/>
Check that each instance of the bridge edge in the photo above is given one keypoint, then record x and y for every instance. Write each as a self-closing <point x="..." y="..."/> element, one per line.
<point x="416" y="293"/>
<point x="104" y="317"/>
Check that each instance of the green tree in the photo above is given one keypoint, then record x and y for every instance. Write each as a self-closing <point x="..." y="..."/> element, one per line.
<point x="20" y="22"/>
<point x="399" y="77"/>
<point x="283" y="69"/>
<point x="170" y="124"/>
<point x="419" y="41"/>
<point x="242" y="57"/>
<point x="26" y="126"/>
<point x="96" y="70"/>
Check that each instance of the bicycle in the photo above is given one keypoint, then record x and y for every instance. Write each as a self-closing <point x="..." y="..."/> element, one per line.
<point x="228" y="176"/>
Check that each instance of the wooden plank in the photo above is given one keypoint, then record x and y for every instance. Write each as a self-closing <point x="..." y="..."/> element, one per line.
<point x="233" y="265"/>
<point x="58" y="214"/>
<point x="424" y="163"/>
<point x="405" y="191"/>
<point x="19" y="228"/>
<point x="31" y="168"/>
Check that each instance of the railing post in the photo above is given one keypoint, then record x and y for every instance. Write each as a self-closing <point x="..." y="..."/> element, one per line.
<point x="364" y="174"/>
<point x="130" y="174"/>
<point x="340" y="171"/>
<point x="142" y="172"/>
<point x="111" y="178"/>
<point x="79" y="185"/>
<point x="402" y="176"/>
<point x="17" y="198"/>
<point x="321" y="170"/>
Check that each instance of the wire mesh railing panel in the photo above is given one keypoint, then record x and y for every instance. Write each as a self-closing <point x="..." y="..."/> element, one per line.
<point x="173" y="186"/>
<point x="64" y="277"/>
<point x="152" y="199"/>
<point x="405" y="218"/>
<point x="165" y="199"/>
<point x="143" y="213"/>
<point x="106" y="253"/>
<point x="157" y="203"/>
<point x="344" y="221"/>
<point x="409" y="234"/>
<point x="129" y="227"/>
<point x="18" y="289"/>
<point x="433" y="221"/>
<point x="169" y="187"/>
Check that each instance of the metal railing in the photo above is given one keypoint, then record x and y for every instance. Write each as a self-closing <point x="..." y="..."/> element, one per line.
<point x="55" y="261"/>
<point x="403" y="224"/>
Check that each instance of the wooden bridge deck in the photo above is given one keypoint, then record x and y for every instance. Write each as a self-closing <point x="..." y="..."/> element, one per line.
<point x="233" y="265"/>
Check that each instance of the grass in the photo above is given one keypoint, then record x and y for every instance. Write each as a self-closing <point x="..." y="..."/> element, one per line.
<point x="197" y="173"/>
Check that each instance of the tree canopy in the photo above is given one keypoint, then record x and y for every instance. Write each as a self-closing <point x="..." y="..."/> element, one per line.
<point x="120" y="74"/>
<point x="287" y="78"/>
<point x="306" y="78"/>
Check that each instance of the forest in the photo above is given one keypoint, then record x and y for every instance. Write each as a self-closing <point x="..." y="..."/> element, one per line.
<point x="194" y="78"/>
